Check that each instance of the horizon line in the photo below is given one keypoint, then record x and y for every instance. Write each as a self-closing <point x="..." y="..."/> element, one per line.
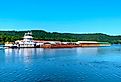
<point x="63" y="32"/>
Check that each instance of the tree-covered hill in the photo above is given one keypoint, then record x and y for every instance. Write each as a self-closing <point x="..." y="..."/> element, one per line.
<point x="43" y="35"/>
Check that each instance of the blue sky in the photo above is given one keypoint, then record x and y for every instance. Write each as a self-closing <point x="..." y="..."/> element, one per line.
<point x="72" y="16"/>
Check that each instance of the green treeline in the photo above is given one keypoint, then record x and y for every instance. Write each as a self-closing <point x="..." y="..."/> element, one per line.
<point x="10" y="36"/>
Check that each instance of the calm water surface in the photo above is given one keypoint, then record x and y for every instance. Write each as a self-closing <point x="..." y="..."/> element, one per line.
<point x="101" y="64"/>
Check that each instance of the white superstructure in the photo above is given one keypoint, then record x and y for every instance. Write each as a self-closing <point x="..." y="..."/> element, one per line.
<point x="27" y="41"/>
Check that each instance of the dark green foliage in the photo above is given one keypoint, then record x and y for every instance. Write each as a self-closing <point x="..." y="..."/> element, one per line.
<point x="10" y="36"/>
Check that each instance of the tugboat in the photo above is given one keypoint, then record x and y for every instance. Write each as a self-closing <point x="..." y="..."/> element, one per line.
<point x="27" y="42"/>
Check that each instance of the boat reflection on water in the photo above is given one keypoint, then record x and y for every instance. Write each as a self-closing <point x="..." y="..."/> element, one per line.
<point x="22" y="54"/>
<point x="28" y="55"/>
